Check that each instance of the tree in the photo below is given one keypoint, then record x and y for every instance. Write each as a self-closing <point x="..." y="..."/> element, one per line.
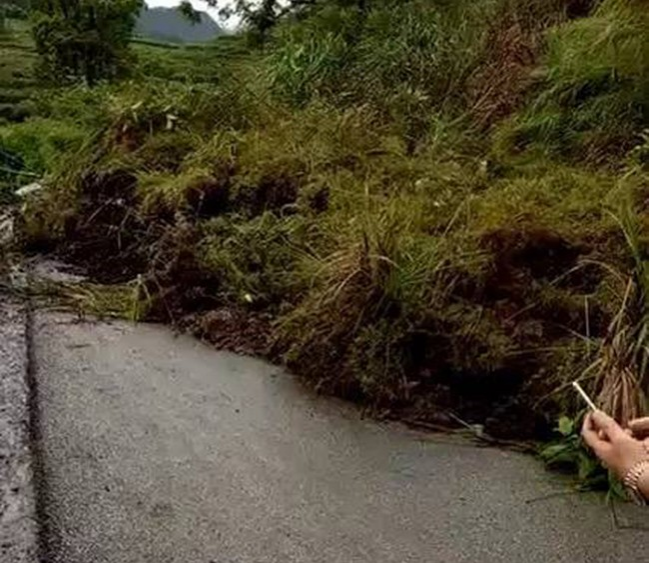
<point x="84" y="39"/>
<point x="187" y="10"/>
<point x="261" y="15"/>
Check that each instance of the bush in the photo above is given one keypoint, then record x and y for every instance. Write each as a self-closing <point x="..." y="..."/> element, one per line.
<point x="255" y="261"/>
<point x="40" y="143"/>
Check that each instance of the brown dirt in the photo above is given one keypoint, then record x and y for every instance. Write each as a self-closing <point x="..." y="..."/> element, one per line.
<point x="106" y="236"/>
<point x="232" y="329"/>
<point x="524" y="254"/>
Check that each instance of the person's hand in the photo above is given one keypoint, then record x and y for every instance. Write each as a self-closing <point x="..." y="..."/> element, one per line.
<point x="639" y="428"/>
<point x="612" y="445"/>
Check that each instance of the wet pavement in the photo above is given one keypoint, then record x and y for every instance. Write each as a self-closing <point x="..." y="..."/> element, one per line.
<point x="156" y="448"/>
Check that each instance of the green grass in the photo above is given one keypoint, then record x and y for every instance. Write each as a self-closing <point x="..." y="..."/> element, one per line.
<point x="17" y="87"/>
<point x="592" y="99"/>
<point x="17" y="58"/>
<point x="188" y="63"/>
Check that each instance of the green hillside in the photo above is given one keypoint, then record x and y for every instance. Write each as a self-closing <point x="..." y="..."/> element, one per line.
<point x="190" y="63"/>
<point x="17" y="87"/>
<point x="17" y="58"/>
<point x="31" y="146"/>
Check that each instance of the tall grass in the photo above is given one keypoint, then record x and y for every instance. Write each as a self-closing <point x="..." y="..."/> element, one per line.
<point x="622" y="369"/>
<point x="594" y="93"/>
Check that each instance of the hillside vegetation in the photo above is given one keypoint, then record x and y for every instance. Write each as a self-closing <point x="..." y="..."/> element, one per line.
<point x="424" y="205"/>
<point x="16" y="79"/>
<point x="17" y="86"/>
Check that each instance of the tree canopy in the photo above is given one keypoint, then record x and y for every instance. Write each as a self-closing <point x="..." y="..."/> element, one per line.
<point x="84" y="39"/>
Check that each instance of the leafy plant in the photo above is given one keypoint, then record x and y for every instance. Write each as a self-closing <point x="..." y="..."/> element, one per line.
<point x="568" y="453"/>
<point x="621" y="371"/>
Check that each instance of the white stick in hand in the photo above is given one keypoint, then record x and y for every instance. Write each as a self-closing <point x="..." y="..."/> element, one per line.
<point x="584" y="396"/>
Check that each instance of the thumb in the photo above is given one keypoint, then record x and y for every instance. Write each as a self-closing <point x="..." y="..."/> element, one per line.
<point x="607" y="425"/>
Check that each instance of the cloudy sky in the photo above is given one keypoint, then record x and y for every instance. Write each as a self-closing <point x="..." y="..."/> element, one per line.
<point x="199" y="5"/>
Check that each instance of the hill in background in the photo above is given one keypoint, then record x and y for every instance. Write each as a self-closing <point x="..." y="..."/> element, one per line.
<point x="167" y="24"/>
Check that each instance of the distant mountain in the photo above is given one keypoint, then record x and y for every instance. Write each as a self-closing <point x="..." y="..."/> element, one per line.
<point x="168" y="24"/>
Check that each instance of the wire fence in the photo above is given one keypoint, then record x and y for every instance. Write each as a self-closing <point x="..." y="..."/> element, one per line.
<point x="13" y="173"/>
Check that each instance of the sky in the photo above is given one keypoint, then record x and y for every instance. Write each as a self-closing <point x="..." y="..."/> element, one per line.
<point x="199" y="5"/>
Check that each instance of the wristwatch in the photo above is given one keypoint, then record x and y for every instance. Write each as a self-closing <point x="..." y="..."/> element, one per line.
<point x="632" y="479"/>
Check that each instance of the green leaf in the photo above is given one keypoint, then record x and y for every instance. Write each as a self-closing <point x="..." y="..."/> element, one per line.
<point x="588" y="466"/>
<point x="566" y="426"/>
<point x="558" y="453"/>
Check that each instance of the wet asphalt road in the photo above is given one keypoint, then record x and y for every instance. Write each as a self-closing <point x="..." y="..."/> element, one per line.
<point x="158" y="449"/>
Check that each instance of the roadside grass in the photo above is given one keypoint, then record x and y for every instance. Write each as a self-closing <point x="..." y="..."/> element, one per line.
<point x="409" y="282"/>
<point x="92" y="301"/>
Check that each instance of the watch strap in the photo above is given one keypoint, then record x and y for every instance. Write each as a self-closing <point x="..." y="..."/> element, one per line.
<point x="632" y="479"/>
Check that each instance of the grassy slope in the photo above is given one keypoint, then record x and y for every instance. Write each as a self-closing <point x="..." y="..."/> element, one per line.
<point x="186" y="63"/>
<point x="421" y="216"/>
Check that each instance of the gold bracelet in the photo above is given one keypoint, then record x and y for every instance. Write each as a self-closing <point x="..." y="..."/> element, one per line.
<point x="632" y="478"/>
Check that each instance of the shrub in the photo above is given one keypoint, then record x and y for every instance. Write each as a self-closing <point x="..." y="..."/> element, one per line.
<point x="301" y="68"/>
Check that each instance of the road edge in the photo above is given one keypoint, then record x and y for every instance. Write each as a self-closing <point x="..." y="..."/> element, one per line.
<point x="19" y="537"/>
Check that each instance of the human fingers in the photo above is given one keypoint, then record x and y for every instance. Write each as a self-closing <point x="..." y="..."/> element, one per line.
<point x="591" y="435"/>
<point x="640" y="427"/>
<point x="606" y="425"/>
<point x="618" y="451"/>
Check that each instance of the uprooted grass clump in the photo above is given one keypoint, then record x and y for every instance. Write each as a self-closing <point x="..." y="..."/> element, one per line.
<point x="396" y="234"/>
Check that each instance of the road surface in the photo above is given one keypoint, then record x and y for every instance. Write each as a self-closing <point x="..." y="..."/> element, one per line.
<point x="156" y="448"/>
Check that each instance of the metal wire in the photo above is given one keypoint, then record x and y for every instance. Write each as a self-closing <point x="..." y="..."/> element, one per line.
<point x="18" y="172"/>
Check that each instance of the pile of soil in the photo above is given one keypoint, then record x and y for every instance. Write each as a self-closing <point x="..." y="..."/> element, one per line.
<point x="114" y="245"/>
